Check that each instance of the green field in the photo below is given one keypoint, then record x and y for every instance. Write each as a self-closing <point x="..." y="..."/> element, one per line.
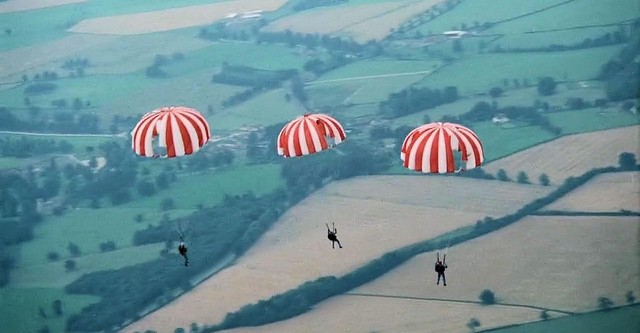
<point x="544" y="39"/>
<point x="263" y="110"/>
<point x="46" y="24"/>
<point x="469" y="12"/>
<point x="578" y="13"/>
<point x="379" y="67"/>
<point x="479" y="73"/>
<point x="502" y="140"/>
<point x="10" y="162"/>
<point x="622" y="320"/>
<point x="589" y="120"/>
<point x="19" y="308"/>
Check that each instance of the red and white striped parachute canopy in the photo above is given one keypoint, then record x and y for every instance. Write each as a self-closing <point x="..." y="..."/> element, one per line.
<point x="180" y="130"/>
<point x="430" y="148"/>
<point x="308" y="134"/>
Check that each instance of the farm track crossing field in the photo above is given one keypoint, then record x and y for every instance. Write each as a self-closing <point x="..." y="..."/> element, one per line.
<point x="578" y="13"/>
<point x="469" y="12"/>
<point x="571" y="155"/>
<point x="489" y="70"/>
<point x="378" y="314"/>
<point x="362" y="23"/>
<point x="549" y="262"/>
<point x="373" y="215"/>
<point x="605" y="193"/>
<point x="164" y="20"/>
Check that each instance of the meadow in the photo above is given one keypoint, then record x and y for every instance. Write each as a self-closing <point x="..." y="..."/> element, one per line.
<point x="479" y="73"/>
<point x="526" y="40"/>
<point x="622" y="320"/>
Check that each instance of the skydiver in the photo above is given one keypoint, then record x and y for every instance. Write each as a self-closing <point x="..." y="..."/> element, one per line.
<point x="182" y="249"/>
<point x="332" y="236"/>
<point x="441" y="266"/>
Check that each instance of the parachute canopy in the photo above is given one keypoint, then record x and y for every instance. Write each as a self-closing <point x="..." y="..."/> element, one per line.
<point x="180" y="130"/>
<point x="430" y="148"/>
<point x="308" y="134"/>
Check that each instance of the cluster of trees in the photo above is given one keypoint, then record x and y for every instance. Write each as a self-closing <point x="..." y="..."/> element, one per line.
<point x="252" y="77"/>
<point x="156" y="71"/>
<point x="621" y="73"/>
<point x="26" y="147"/>
<point x="617" y="37"/>
<point x="336" y="44"/>
<point x="216" y="159"/>
<point x="61" y="121"/>
<point x="413" y="100"/>
<point x="72" y="64"/>
<point x="319" y="66"/>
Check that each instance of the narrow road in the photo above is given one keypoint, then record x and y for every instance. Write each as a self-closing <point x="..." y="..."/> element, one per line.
<point x="461" y="301"/>
<point x="370" y="77"/>
<point x="119" y="135"/>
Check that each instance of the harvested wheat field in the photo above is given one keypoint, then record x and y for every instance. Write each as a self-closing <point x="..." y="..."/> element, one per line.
<point x="571" y="155"/>
<point x="389" y="315"/>
<point x="379" y="27"/>
<point x="330" y="20"/>
<point x="373" y="215"/>
<point x="22" y="5"/>
<point x="611" y="192"/>
<point x="171" y="19"/>
<point x="561" y="263"/>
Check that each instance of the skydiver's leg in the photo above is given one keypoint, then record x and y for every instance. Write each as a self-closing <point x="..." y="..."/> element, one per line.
<point x="444" y="279"/>
<point x="333" y="244"/>
<point x="438" y="278"/>
<point x="186" y="260"/>
<point x="340" y="245"/>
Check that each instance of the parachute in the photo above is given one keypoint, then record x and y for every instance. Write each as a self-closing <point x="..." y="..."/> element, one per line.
<point x="430" y="148"/>
<point x="180" y="130"/>
<point x="308" y="134"/>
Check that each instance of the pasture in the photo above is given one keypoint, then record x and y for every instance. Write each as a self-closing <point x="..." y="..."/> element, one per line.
<point x="578" y="13"/>
<point x="606" y="193"/>
<point x="513" y="40"/>
<point x="348" y="313"/>
<point x="19" y="308"/>
<point x="479" y="73"/>
<point x="592" y="119"/>
<point x="548" y="262"/>
<point x="468" y="12"/>
<point x="621" y="320"/>
<point x="571" y="155"/>
<point x="373" y="215"/>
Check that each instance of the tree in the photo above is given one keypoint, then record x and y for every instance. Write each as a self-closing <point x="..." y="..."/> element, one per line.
<point x="544" y="315"/>
<point x="631" y="298"/>
<point x="627" y="161"/>
<point x="547" y="86"/>
<point x="44" y="329"/>
<point x="70" y="265"/>
<point x="139" y="218"/>
<point x="495" y="92"/>
<point x="502" y="176"/>
<point x="74" y="249"/>
<point x="473" y="323"/>
<point x="487" y="297"/>
<point x="457" y="46"/>
<point x="523" y="178"/>
<point x="53" y="256"/>
<point x="57" y="308"/>
<point x="162" y="181"/>
<point x="544" y="180"/>
<point x="167" y="204"/>
<point x="146" y="188"/>
<point x="605" y="303"/>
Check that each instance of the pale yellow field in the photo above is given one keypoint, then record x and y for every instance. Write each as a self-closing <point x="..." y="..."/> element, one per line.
<point x="171" y="19"/>
<point x="388" y="315"/>
<point x="373" y="215"/>
<point x="360" y="22"/>
<point x="378" y="28"/>
<point x="22" y="5"/>
<point x="606" y="193"/>
<point x="572" y="155"/>
<point x="562" y="263"/>
<point x="329" y="20"/>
